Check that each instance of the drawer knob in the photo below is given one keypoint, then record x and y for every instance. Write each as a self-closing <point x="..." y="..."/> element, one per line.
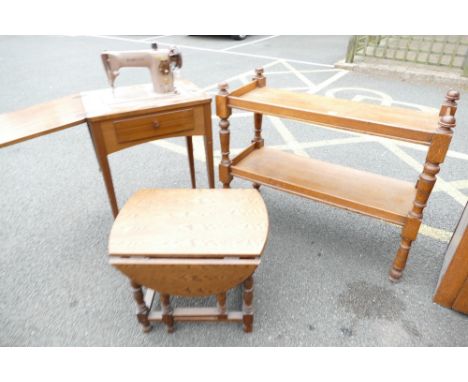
<point x="156" y="124"/>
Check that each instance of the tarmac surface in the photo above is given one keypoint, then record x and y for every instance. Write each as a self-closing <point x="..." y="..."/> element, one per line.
<point x="323" y="277"/>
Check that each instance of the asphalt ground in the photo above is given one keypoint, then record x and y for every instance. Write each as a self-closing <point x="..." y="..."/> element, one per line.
<point x="323" y="278"/>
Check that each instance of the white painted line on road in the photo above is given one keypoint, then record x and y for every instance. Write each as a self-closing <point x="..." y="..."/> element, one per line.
<point x="329" y="81"/>
<point x="238" y="76"/>
<point x="155" y="37"/>
<point x="299" y="75"/>
<point x="304" y="71"/>
<point x="249" y="43"/>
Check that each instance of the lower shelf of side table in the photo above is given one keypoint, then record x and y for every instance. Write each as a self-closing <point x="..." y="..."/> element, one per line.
<point x="367" y="193"/>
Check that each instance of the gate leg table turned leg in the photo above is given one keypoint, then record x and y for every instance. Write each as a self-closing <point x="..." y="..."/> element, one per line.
<point x="142" y="309"/>
<point x="191" y="160"/>
<point x="167" y="316"/>
<point x="247" y="307"/>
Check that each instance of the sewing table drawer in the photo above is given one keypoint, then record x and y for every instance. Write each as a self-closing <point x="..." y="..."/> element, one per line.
<point x="154" y="125"/>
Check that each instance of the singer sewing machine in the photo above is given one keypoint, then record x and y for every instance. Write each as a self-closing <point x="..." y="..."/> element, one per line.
<point x="160" y="62"/>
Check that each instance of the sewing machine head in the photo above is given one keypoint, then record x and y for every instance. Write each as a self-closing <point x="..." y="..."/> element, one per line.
<point x="160" y="62"/>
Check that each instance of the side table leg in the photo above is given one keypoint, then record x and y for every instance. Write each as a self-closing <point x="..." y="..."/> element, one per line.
<point x="104" y="165"/>
<point x="167" y="316"/>
<point x="191" y="160"/>
<point x="247" y="307"/>
<point x="142" y="309"/>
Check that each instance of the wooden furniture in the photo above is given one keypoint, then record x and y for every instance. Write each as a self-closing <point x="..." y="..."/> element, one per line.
<point x="452" y="288"/>
<point x="190" y="243"/>
<point x="374" y="195"/>
<point x="118" y="119"/>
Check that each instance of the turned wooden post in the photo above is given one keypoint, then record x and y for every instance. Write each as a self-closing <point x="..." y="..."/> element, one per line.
<point x="247" y="306"/>
<point x="257" y="139"/>
<point x="167" y="316"/>
<point x="221" y="304"/>
<point x="223" y="112"/>
<point x="142" y="309"/>
<point x="258" y="118"/>
<point x="435" y="155"/>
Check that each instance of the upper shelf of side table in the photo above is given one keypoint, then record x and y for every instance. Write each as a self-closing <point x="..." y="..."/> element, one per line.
<point x="397" y="123"/>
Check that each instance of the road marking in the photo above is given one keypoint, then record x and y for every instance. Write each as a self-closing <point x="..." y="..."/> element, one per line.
<point x="249" y="42"/>
<point x="436" y="233"/>
<point x="303" y="71"/>
<point x="460" y="184"/>
<point x="450" y="153"/>
<point x="442" y="184"/>
<point x="151" y="38"/>
<point x="299" y="75"/>
<point x="238" y="76"/>
<point x="329" y="81"/>
<point x="155" y="37"/>
<point x="290" y="140"/>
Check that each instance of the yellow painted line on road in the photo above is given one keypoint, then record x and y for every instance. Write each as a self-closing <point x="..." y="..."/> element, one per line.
<point x="435" y="233"/>
<point x="290" y="140"/>
<point x="444" y="186"/>
<point x="460" y="184"/>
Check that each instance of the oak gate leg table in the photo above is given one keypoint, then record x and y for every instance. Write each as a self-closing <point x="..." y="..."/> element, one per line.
<point x="385" y="198"/>
<point x="190" y="243"/>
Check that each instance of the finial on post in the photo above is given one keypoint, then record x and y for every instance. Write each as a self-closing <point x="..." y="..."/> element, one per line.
<point x="453" y="95"/>
<point x="259" y="77"/>
<point x="259" y="72"/>
<point x="450" y="104"/>
<point x="223" y="88"/>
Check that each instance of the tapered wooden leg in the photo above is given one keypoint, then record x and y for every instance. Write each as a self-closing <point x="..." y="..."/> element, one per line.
<point x="142" y="309"/>
<point x="104" y="165"/>
<point x="208" y="140"/>
<point x="167" y="316"/>
<point x="209" y="161"/>
<point x="247" y="306"/>
<point x="191" y="160"/>
<point x="221" y="303"/>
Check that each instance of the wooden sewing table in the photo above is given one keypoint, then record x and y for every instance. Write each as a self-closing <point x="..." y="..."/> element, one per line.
<point x="119" y="119"/>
